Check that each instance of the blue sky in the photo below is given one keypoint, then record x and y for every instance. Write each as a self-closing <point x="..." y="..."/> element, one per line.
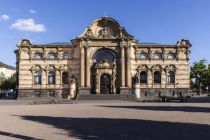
<point x="159" y="21"/>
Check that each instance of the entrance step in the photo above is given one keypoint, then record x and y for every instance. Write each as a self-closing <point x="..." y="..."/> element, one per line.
<point x="51" y="101"/>
<point x="105" y="97"/>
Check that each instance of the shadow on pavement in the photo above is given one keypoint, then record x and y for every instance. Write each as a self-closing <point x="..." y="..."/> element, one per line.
<point x="17" y="136"/>
<point x="199" y="100"/>
<point x="113" y="129"/>
<point x="166" y="108"/>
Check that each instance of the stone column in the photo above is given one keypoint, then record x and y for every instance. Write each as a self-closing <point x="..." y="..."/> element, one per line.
<point x="82" y="66"/>
<point x="87" y="66"/>
<point x="128" y="67"/>
<point x="97" y="82"/>
<point x="61" y="78"/>
<point x="57" y="78"/>
<point x="44" y="80"/>
<point x="149" y="79"/>
<point x="122" y="68"/>
<point x="47" y="77"/>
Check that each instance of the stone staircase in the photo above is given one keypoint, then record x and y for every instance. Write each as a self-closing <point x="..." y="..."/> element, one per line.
<point x="50" y="101"/>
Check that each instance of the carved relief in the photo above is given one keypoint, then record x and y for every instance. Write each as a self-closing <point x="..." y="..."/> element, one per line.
<point x="50" y="68"/>
<point x="143" y="67"/>
<point x="24" y="42"/>
<point x="105" y="64"/>
<point x="36" y="68"/>
<point x="105" y="28"/>
<point x="170" y="68"/>
<point x="157" y="67"/>
<point x="88" y="33"/>
<point x="106" y="32"/>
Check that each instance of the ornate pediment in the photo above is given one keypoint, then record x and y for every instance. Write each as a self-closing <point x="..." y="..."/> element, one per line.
<point x="184" y="42"/>
<point x="143" y="67"/>
<point x="171" y="67"/>
<point x="157" y="67"/>
<point x="36" y="68"/>
<point x="24" y="42"/>
<point x="51" y="68"/>
<point x="63" y="68"/>
<point x="105" y="64"/>
<point x="105" y="28"/>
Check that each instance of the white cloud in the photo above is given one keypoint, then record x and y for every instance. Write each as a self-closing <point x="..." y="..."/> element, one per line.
<point x="4" y="17"/>
<point x="32" y="11"/>
<point x="27" y="25"/>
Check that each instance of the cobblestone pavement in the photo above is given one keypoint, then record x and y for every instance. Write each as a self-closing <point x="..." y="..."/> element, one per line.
<point x="105" y="120"/>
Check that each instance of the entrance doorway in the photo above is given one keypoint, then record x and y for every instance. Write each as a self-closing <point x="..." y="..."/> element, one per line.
<point x="105" y="81"/>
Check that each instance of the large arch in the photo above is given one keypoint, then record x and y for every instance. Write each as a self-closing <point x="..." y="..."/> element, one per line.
<point x="104" y="53"/>
<point x="104" y="61"/>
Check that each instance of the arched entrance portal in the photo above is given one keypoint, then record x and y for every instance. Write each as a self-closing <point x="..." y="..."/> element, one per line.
<point x="105" y="86"/>
<point x="104" y="72"/>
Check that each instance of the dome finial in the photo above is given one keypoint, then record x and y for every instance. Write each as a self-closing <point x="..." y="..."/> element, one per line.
<point x="105" y="14"/>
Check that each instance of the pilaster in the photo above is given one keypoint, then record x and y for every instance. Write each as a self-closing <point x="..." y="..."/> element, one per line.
<point x="82" y="66"/>
<point x="128" y="66"/>
<point x="122" y="66"/>
<point x="87" y="66"/>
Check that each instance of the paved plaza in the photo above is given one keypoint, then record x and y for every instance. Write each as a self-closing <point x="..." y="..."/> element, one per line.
<point x="105" y="120"/>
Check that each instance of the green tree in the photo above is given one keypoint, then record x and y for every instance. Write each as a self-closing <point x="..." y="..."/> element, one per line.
<point x="208" y="77"/>
<point x="9" y="83"/>
<point x="199" y="74"/>
<point x="2" y="78"/>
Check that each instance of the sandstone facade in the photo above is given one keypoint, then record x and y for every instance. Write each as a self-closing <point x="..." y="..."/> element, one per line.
<point x="104" y="59"/>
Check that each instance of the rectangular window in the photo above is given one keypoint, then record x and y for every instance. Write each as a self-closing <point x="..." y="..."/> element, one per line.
<point x="37" y="93"/>
<point x="52" y="93"/>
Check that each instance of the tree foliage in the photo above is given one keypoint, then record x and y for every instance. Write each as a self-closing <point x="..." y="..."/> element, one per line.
<point x="199" y="75"/>
<point x="9" y="83"/>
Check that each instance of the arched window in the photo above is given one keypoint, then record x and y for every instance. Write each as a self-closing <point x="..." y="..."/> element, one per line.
<point x="66" y="55"/>
<point x="143" y="56"/>
<point x="104" y="54"/>
<point x="157" y="56"/>
<point x="38" y="78"/>
<point x="157" y="77"/>
<point x="51" y="78"/>
<point x="38" y="55"/>
<point x="171" y="77"/>
<point x="51" y="55"/>
<point x="171" y="56"/>
<point x="143" y="77"/>
<point x="65" y="78"/>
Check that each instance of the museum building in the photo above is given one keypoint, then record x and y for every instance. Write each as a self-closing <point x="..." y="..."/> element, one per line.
<point x="104" y="59"/>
